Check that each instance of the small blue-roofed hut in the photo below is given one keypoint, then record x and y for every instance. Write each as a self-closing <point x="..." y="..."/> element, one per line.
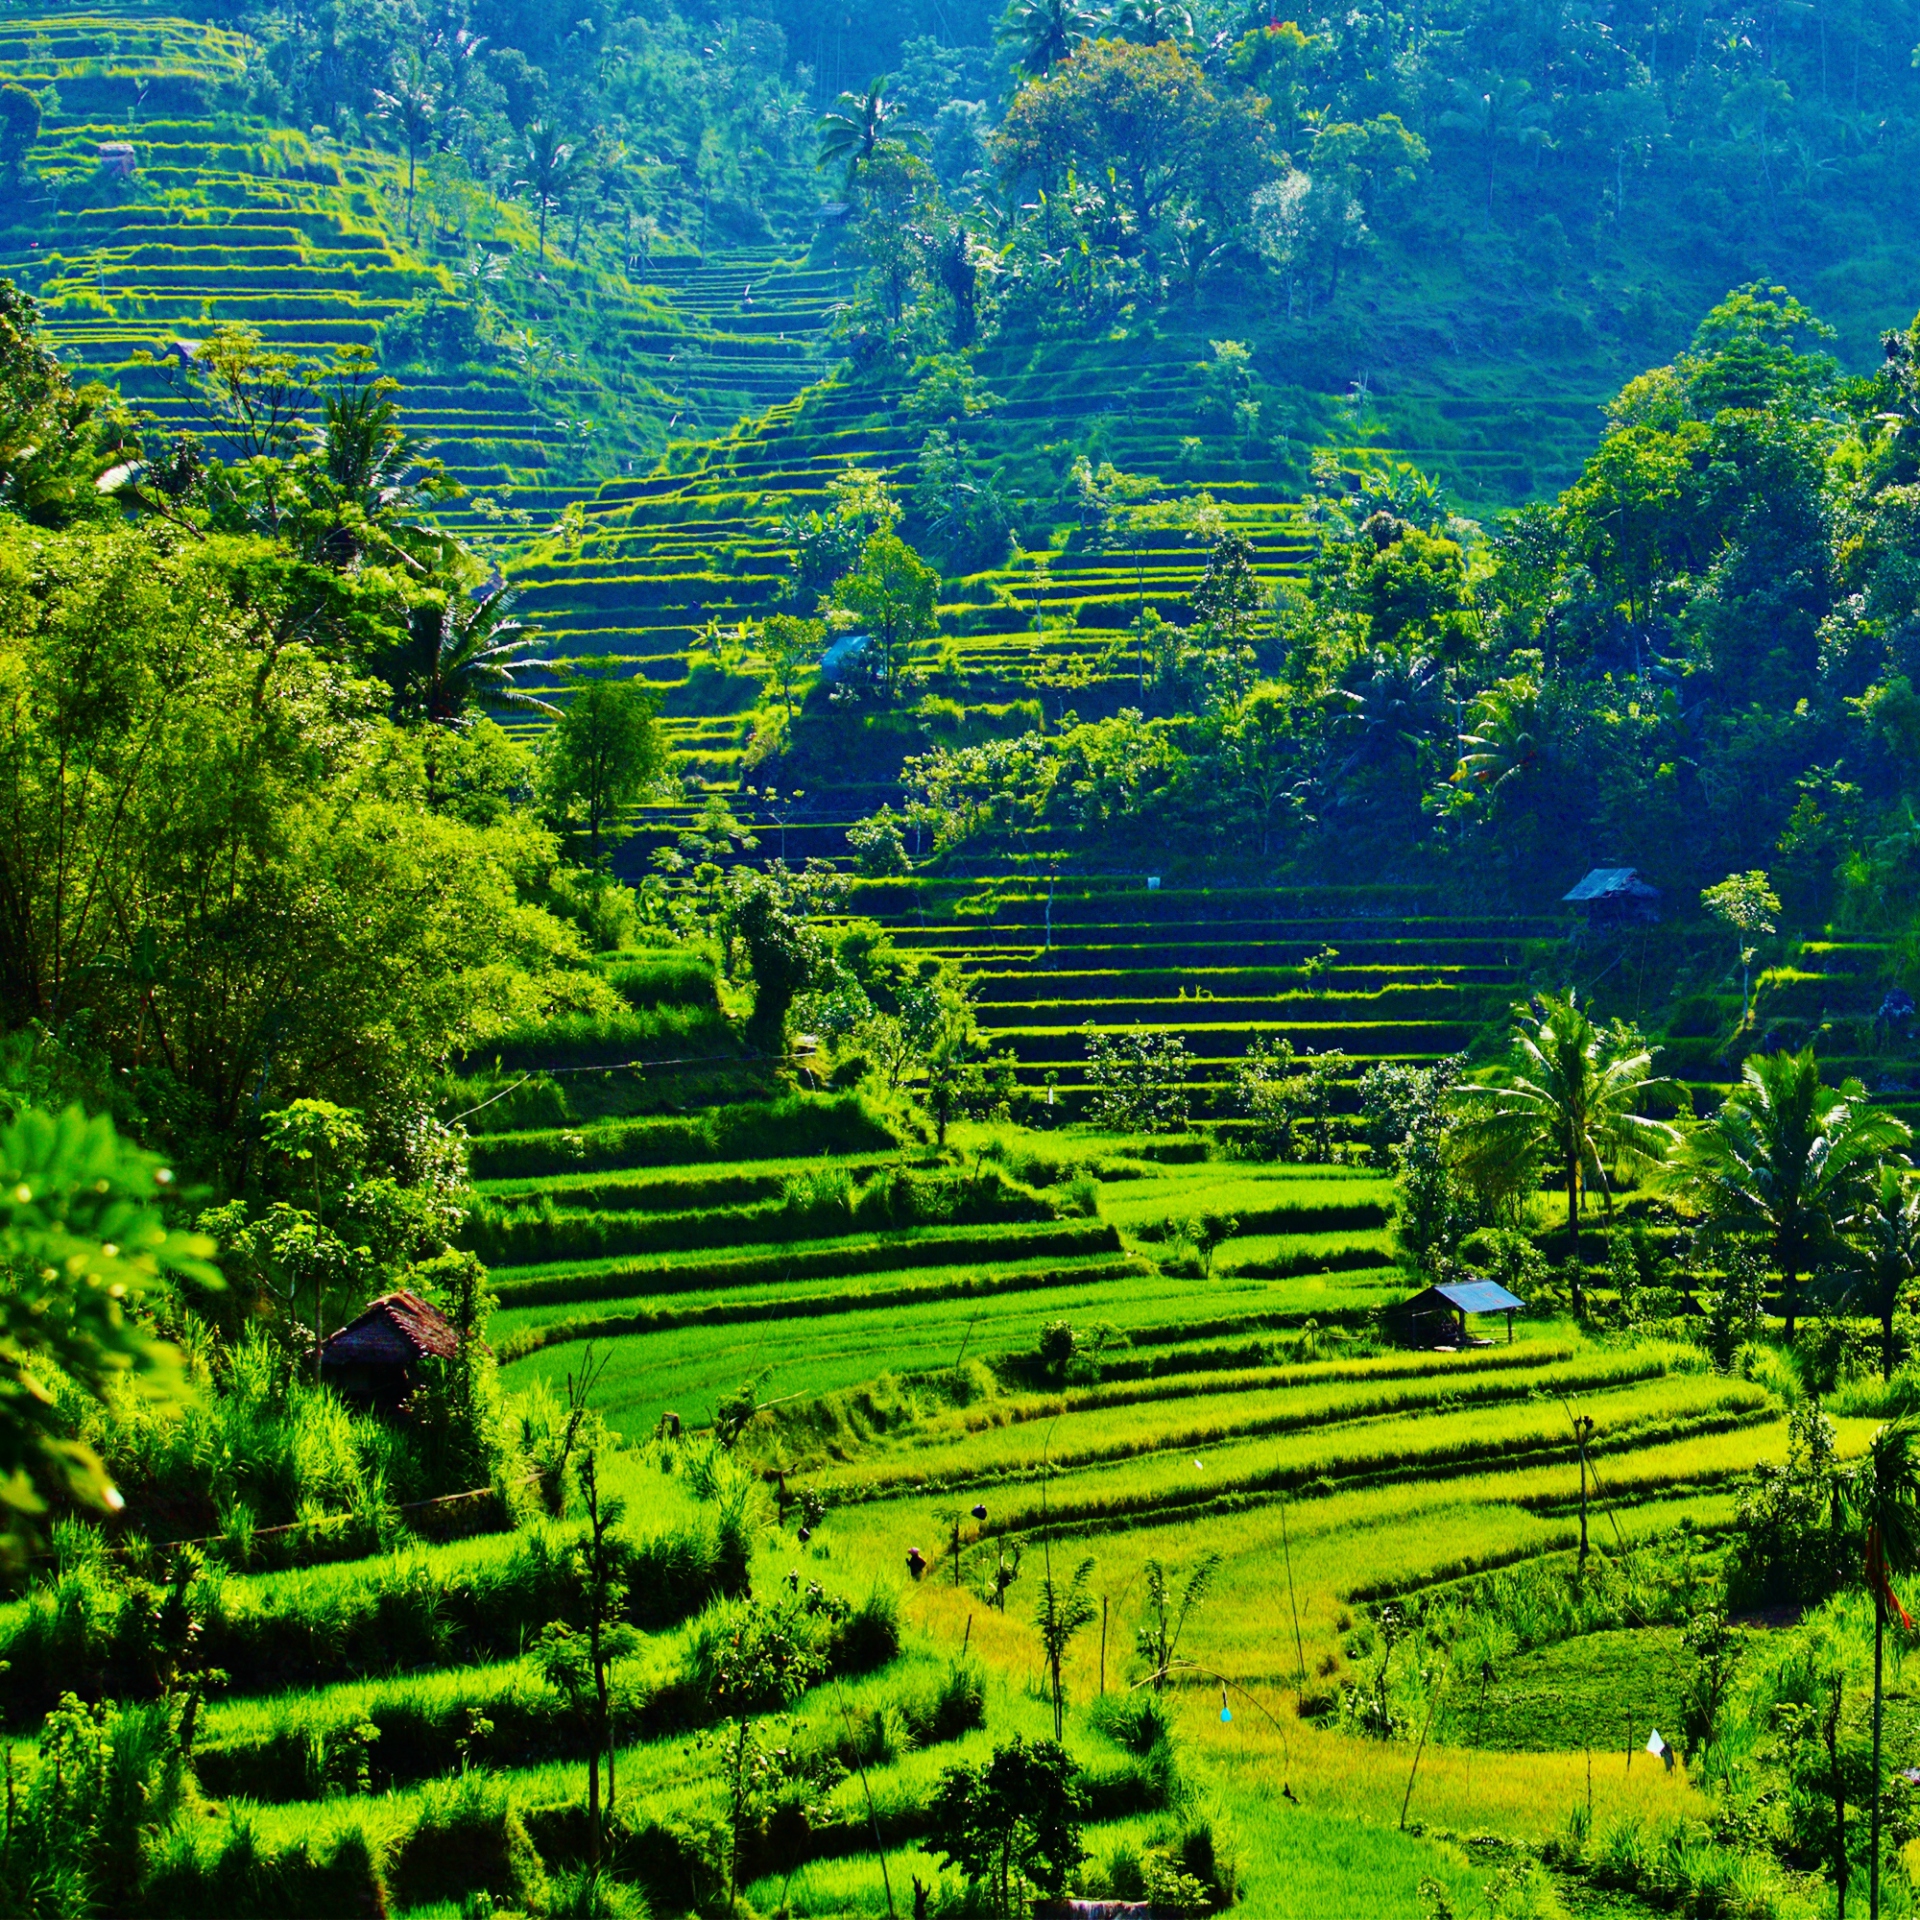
<point x="1438" y="1316"/>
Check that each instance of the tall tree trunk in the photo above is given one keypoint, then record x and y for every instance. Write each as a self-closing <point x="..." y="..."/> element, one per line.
<point x="1573" y="1228"/>
<point x="1873" y="1851"/>
<point x="1839" y="1808"/>
<point x="739" y="1797"/>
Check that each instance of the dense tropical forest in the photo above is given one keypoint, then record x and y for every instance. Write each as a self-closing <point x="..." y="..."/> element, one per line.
<point x="959" y="960"/>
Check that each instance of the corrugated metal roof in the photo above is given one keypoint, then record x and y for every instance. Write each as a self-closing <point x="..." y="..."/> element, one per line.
<point x="1604" y="882"/>
<point x="395" y="1330"/>
<point x="1476" y="1296"/>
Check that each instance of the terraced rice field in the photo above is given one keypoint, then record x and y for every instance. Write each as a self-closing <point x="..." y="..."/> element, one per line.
<point x="1246" y="1415"/>
<point x="1375" y="975"/>
<point x="907" y="1374"/>
<point x="227" y="218"/>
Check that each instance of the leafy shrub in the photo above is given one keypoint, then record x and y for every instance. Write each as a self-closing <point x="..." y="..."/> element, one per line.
<point x="593" y="1895"/>
<point x="1790" y="1542"/>
<point x="1138" y="1080"/>
<point x="659" y="979"/>
<point x="877" y="845"/>
<point x="307" y="1880"/>
<point x="1136" y="1721"/>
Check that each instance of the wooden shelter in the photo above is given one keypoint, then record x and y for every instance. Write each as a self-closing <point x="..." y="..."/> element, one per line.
<point x="1616" y="897"/>
<point x="376" y="1359"/>
<point x="1438" y="1316"/>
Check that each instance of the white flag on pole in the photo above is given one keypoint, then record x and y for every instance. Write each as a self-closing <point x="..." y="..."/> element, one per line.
<point x="1660" y="1750"/>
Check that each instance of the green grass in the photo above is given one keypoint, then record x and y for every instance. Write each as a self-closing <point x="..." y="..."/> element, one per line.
<point x="1603" y="1690"/>
<point x="724" y="1183"/>
<point x="565" y="1282"/>
<point x="1429" y="1447"/>
<point x="911" y="1329"/>
<point x="1191" y="1422"/>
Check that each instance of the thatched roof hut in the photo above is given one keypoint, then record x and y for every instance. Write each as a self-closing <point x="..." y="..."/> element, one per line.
<point x="377" y="1357"/>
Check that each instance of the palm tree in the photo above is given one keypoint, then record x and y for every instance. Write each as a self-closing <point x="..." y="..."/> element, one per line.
<point x="1391" y="710"/>
<point x="1791" y="1163"/>
<point x="1152" y="21"/>
<point x="1889" y="1503"/>
<point x="1569" y="1095"/>
<point x="1048" y="31"/>
<point x="1504" y="745"/>
<point x="411" y="105"/>
<point x="552" y="164"/>
<point x="1498" y="116"/>
<point x="856" y="126"/>
<point x="1060" y="1615"/>
<point x="1889" y="1249"/>
<point x="369" y="457"/>
<point x="371" y="474"/>
<point x="464" y="655"/>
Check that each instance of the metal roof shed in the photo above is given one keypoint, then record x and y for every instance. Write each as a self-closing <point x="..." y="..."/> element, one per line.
<point x="1438" y="1316"/>
<point x="1615" y="896"/>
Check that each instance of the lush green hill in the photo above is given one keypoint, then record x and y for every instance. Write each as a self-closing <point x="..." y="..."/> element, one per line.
<point x="530" y="377"/>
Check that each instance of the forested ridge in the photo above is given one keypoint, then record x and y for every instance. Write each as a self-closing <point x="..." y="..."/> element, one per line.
<point x="1633" y="151"/>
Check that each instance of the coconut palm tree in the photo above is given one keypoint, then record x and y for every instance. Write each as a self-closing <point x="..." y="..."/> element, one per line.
<point x="1790" y="1163"/>
<point x="1888" y="1249"/>
<point x="1506" y="742"/>
<point x="463" y="655"/>
<point x="1569" y="1095"/>
<point x="410" y="105"/>
<point x="552" y="165"/>
<point x="1889" y="1513"/>
<point x="857" y="125"/>
<point x="1498" y="112"/>
<point x="1048" y="32"/>
<point x="1152" y="21"/>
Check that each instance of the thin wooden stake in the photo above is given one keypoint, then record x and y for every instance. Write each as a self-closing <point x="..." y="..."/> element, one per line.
<point x="1433" y="1700"/>
<point x="1299" y="1649"/>
<point x="873" y="1818"/>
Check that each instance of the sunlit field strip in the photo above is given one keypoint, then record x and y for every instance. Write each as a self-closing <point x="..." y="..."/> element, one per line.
<point x="651" y="1372"/>
<point x="1442" y="1443"/>
<point x="1083" y="1439"/>
<point x="702" y="1269"/>
<point x="1229" y="1190"/>
<point x="766" y="1299"/>
<point x="666" y="1188"/>
<point x="1343" y="1548"/>
<point x="1354" y="1291"/>
<point x="1126" y="1390"/>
